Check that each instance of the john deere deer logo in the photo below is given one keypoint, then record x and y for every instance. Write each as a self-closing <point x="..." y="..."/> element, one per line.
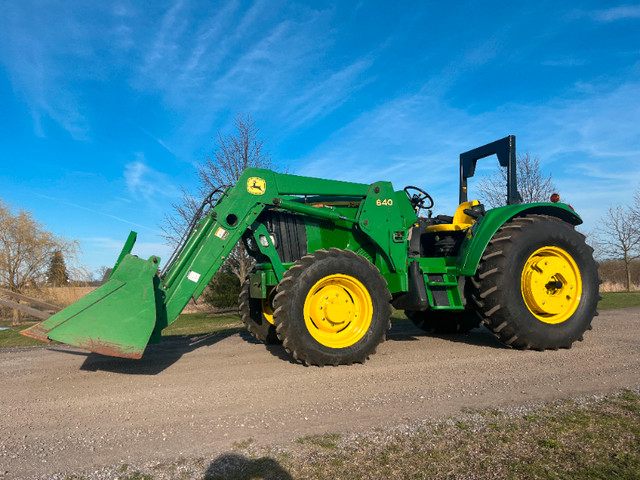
<point x="256" y="186"/>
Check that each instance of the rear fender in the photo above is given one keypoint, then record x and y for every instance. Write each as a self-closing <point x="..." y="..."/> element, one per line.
<point x="480" y="234"/>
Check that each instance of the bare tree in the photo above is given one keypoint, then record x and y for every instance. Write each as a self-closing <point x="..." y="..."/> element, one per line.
<point x="618" y="237"/>
<point x="232" y="155"/>
<point x="532" y="184"/>
<point x="635" y="211"/>
<point x="26" y="250"/>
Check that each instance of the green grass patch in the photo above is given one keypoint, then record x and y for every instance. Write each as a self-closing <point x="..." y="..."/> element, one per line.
<point x="328" y="441"/>
<point x="203" y="323"/>
<point x="619" y="300"/>
<point x="566" y="440"/>
<point x="12" y="338"/>
<point x="243" y="444"/>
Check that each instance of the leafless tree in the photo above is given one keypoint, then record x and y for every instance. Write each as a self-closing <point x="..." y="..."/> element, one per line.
<point x="635" y="211"/>
<point x="232" y="155"/>
<point x="618" y="237"/>
<point x="532" y="184"/>
<point x="26" y="249"/>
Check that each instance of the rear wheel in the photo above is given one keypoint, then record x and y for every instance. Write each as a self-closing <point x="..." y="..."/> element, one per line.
<point x="257" y="315"/>
<point x="444" y="321"/>
<point x="332" y="307"/>
<point x="537" y="284"/>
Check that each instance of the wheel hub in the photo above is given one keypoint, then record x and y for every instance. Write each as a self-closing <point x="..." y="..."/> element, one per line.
<point x="267" y="306"/>
<point x="551" y="284"/>
<point x="338" y="311"/>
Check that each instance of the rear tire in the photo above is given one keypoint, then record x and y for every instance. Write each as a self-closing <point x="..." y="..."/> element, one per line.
<point x="444" y="322"/>
<point x="255" y="314"/>
<point x="537" y="284"/>
<point x="332" y="308"/>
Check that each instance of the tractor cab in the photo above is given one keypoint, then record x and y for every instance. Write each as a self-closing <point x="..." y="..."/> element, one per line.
<point x="442" y="235"/>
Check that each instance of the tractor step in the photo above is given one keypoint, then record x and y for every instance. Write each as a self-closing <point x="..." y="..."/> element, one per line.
<point x="443" y="292"/>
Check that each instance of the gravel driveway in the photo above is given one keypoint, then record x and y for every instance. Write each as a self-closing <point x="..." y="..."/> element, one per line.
<point x="63" y="409"/>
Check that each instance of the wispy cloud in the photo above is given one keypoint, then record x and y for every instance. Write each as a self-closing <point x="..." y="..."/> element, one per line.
<point x="146" y="183"/>
<point x="617" y="13"/>
<point x="157" y="139"/>
<point x="247" y="60"/>
<point x="589" y="136"/>
<point x="34" y="66"/>
<point x="97" y="212"/>
<point x="112" y="247"/>
<point x="564" y="62"/>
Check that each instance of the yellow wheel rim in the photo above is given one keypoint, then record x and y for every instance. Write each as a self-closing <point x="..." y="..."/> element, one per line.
<point x="551" y="285"/>
<point x="267" y="306"/>
<point x="338" y="311"/>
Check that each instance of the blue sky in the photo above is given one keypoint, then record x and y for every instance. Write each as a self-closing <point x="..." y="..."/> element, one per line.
<point x="108" y="107"/>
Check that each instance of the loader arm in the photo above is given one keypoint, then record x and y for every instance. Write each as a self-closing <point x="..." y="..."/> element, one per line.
<point x="137" y="302"/>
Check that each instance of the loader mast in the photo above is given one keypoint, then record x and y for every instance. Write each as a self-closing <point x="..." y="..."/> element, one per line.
<point x="223" y="226"/>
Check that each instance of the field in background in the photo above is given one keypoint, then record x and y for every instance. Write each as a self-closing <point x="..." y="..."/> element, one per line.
<point x="613" y="275"/>
<point x="618" y="287"/>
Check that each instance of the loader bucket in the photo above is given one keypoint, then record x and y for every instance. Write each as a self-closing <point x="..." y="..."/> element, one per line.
<point x="116" y="319"/>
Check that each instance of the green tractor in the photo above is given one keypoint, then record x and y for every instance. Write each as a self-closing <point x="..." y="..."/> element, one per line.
<point x="333" y="259"/>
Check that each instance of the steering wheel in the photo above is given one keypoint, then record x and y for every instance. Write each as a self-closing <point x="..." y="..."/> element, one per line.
<point x="418" y="199"/>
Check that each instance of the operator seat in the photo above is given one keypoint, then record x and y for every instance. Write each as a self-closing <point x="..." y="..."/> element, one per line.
<point x="461" y="220"/>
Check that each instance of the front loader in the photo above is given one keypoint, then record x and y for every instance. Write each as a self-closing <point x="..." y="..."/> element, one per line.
<point x="334" y="258"/>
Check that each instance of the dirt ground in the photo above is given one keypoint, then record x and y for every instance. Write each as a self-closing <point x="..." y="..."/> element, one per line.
<point x="66" y="410"/>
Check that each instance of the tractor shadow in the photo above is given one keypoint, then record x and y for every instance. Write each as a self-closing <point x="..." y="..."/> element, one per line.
<point x="403" y="330"/>
<point x="157" y="358"/>
<point x="406" y="331"/>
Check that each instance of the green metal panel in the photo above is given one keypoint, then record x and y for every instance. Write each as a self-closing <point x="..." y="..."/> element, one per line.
<point x="296" y="185"/>
<point x="269" y="251"/>
<point x="481" y="232"/>
<point x="126" y="249"/>
<point x="382" y="216"/>
<point x="116" y="319"/>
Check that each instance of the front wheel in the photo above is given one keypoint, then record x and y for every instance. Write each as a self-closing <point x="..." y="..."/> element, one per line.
<point x="537" y="284"/>
<point x="332" y="308"/>
<point x="257" y="315"/>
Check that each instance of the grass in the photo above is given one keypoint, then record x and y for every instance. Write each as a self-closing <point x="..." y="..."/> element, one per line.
<point x="203" y="323"/>
<point x="327" y="441"/>
<point x="566" y="440"/>
<point x="583" y="439"/>
<point x="619" y="300"/>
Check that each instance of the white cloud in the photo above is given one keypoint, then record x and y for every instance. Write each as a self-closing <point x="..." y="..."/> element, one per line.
<point x="98" y="212"/>
<point x="35" y="68"/>
<point x="617" y="13"/>
<point x="146" y="183"/>
<point x="110" y="248"/>
<point x="587" y="138"/>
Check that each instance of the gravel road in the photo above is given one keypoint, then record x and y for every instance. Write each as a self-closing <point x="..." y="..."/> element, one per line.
<point x="65" y="410"/>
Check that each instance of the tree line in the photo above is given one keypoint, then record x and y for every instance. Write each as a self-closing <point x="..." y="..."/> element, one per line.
<point x="30" y="255"/>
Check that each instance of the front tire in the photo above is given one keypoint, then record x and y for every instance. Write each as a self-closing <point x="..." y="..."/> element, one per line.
<point x="332" y="308"/>
<point x="257" y="315"/>
<point x="537" y="284"/>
